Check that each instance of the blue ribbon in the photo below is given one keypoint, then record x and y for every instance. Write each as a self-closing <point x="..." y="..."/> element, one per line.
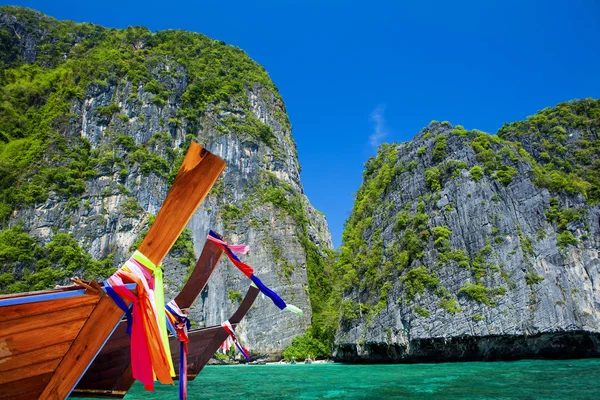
<point x="180" y="319"/>
<point x="120" y="303"/>
<point x="268" y="292"/>
<point x="182" y="372"/>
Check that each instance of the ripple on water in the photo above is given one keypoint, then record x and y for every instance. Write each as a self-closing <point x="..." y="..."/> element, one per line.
<point x="527" y="379"/>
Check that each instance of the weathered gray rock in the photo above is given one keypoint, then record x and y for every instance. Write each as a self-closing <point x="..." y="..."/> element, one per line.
<point x="557" y="317"/>
<point x="114" y="209"/>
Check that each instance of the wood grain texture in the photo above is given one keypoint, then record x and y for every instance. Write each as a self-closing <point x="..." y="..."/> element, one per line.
<point x="24" y="359"/>
<point x="18" y="311"/>
<point x="198" y="173"/>
<point x="207" y="262"/>
<point x="36" y="369"/>
<point x="28" y="388"/>
<point x="91" y="337"/>
<point x="21" y="343"/>
<point x="29" y="323"/>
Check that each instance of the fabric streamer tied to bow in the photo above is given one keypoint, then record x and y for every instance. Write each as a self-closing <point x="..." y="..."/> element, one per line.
<point x="179" y="325"/>
<point x="249" y="272"/>
<point x="229" y="329"/>
<point x="150" y="353"/>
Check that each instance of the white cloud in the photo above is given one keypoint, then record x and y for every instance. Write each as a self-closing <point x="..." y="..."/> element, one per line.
<point x="380" y="130"/>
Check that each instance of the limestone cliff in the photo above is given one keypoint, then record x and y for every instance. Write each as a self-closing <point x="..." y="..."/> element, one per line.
<point x="94" y="125"/>
<point x="464" y="245"/>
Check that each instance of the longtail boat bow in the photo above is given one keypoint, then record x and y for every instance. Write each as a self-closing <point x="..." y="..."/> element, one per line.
<point x="49" y="338"/>
<point x="110" y="375"/>
<point x="203" y="344"/>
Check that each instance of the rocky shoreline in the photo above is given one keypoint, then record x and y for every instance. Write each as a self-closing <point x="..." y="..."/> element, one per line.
<point x="559" y="345"/>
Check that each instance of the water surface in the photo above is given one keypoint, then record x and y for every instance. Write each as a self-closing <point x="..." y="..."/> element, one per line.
<point x="527" y="379"/>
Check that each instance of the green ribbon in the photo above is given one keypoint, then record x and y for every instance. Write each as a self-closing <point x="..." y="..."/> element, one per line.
<point x="159" y="299"/>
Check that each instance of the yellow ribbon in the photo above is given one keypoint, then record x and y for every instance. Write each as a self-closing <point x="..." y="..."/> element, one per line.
<point x="159" y="298"/>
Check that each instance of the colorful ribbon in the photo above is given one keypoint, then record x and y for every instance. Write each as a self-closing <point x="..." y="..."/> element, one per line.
<point x="229" y="329"/>
<point x="249" y="272"/>
<point x="238" y="248"/>
<point x="159" y="295"/>
<point x="179" y="325"/>
<point x="150" y="357"/>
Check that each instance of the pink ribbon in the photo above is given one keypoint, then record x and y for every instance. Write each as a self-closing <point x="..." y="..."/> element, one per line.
<point x="238" y="248"/>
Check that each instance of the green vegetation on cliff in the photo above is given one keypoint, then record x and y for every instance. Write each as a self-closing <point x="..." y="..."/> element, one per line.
<point x="44" y="88"/>
<point x="564" y="139"/>
<point x="392" y="248"/>
<point x="74" y="60"/>
<point x="43" y="266"/>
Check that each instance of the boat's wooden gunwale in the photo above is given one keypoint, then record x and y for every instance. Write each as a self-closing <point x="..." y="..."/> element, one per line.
<point x="36" y="369"/>
<point x="203" y="344"/>
<point x="46" y="336"/>
<point x="27" y="388"/>
<point x="40" y="292"/>
<point x="203" y="270"/>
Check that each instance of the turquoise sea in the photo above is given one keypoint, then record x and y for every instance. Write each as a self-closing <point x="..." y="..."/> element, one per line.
<point x="527" y="379"/>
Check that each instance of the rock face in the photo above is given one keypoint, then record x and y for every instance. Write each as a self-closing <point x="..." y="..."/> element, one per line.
<point x="462" y="246"/>
<point x="136" y="102"/>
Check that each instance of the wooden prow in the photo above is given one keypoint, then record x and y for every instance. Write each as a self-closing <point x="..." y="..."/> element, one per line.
<point x="82" y="339"/>
<point x="198" y="173"/>
<point x="110" y="373"/>
<point x="245" y="305"/>
<point x="209" y="258"/>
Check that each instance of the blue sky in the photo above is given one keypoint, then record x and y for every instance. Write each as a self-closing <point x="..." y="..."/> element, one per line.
<point x="355" y="74"/>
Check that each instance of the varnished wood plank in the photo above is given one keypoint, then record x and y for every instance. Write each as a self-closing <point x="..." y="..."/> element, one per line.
<point x="38" y="321"/>
<point x="27" y="396"/>
<point x="18" y="343"/>
<point x="36" y="369"/>
<point x="198" y="173"/>
<point x="18" y="311"/>
<point x="105" y="377"/>
<point x="125" y="381"/>
<point x="118" y="344"/>
<point x="245" y="305"/>
<point x="121" y="330"/>
<point x="24" y="388"/>
<point x="35" y="356"/>
<point x="111" y="361"/>
<point x="207" y="262"/>
<point x="91" y="337"/>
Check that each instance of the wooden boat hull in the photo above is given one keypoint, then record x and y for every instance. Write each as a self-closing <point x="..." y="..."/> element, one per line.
<point x="42" y="342"/>
<point x="49" y="338"/>
<point x="112" y="376"/>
